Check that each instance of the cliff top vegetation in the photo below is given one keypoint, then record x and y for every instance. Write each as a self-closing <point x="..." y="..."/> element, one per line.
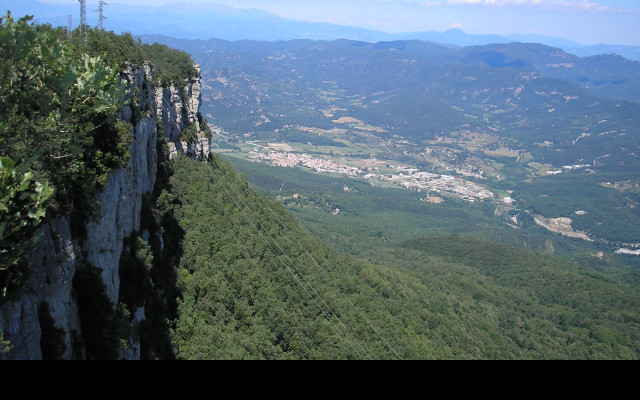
<point x="59" y="134"/>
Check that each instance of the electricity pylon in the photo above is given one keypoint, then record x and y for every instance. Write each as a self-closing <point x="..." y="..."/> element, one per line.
<point x="101" y="18"/>
<point x="83" y="19"/>
<point x="70" y="27"/>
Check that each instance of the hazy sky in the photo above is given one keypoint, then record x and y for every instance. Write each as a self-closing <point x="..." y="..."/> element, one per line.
<point x="584" y="21"/>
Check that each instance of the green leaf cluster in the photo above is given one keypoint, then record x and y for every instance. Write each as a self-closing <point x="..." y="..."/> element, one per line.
<point x="5" y="345"/>
<point x="60" y="105"/>
<point x="22" y="209"/>
<point x="58" y="114"/>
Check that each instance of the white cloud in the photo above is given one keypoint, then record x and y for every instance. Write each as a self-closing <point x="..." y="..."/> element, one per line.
<point x="580" y="5"/>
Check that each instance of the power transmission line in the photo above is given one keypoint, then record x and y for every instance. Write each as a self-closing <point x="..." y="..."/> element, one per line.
<point x="305" y="250"/>
<point x="327" y="311"/>
<point x="288" y="263"/>
<point x="101" y="17"/>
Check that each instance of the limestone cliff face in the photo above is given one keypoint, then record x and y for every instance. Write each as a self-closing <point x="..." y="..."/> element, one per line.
<point x="178" y="109"/>
<point x="48" y="297"/>
<point x="52" y="269"/>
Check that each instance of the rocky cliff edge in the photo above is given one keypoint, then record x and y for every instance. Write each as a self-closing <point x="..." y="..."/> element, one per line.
<point x="48" y="302"/>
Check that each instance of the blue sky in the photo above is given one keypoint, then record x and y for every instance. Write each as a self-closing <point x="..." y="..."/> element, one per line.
<point x="583" y="21"/>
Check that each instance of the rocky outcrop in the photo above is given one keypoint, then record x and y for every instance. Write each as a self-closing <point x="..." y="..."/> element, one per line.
<point x="48" y="295"/>
<point x="178" y="109"/>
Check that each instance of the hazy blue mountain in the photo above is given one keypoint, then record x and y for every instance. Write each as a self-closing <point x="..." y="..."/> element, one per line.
<point x="609" y="76"/>
<point x="193" y="21"/>
<point x="455" y="37"/>
<point x="629" y="52"/>
<point x="549" y="41"/>
<point x="205" y="21"/>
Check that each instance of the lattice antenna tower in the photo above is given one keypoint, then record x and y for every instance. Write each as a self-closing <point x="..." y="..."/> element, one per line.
<point x="83" y="18"/>
<point x="70" y="27"/>
<point x="101" y="18"/>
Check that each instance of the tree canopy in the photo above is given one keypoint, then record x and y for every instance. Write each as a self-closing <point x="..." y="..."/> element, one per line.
<point x="254" y="285"/>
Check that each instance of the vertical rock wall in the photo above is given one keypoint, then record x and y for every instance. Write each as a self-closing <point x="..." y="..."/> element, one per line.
<point x="178" y="109"/>
<point x="53" y="265"/>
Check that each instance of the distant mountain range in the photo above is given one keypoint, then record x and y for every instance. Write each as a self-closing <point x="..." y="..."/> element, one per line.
<point x="609" y="76"/>
<point x="534" y="106"/>
<point x="205" y="21"/>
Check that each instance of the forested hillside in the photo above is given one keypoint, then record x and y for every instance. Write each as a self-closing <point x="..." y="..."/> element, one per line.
<point x="253" y="284"/>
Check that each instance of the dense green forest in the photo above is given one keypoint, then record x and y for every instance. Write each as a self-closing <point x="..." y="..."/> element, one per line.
<point x="253" y="284"/>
